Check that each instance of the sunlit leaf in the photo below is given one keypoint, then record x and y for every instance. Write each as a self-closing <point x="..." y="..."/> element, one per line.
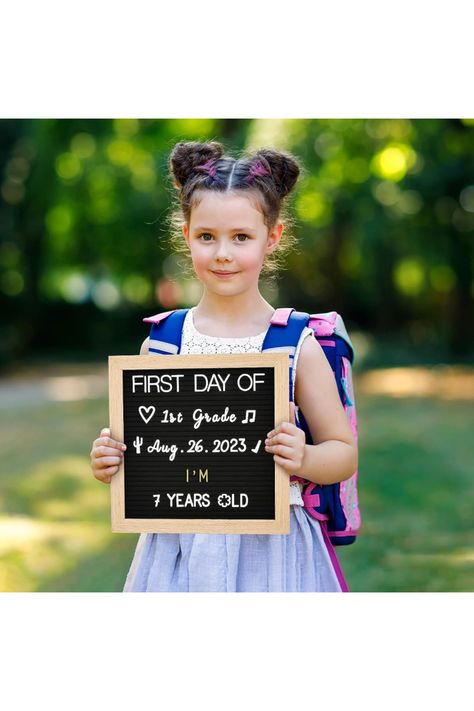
<point x="68" y="166"/>
<point x="393" y="161"/>
<point x="119" y="151"/>
<point x="409" y="276"/>
<point x="83" y="145"/>
<point x="60" y="219"/>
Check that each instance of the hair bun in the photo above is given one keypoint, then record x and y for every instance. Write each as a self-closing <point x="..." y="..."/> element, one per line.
<point x="186" y="156"/>
<point x="283" y="167"/>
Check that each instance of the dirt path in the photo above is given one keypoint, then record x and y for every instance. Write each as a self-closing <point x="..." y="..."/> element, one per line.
<point x="60" y="383"/>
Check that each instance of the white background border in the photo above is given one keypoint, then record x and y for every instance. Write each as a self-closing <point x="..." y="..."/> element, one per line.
<point x="141" y="59"/>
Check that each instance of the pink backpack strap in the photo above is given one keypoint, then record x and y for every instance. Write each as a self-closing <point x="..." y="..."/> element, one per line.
<point x="334" y="560"/>
<point x="158" y="317"/>
<point x="281" y="316"/>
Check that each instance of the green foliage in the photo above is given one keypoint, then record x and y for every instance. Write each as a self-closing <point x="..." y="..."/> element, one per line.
<point x="384" y="214"/>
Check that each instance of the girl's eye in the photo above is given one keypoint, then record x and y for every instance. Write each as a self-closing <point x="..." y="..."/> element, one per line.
<point x="207" y="234"/>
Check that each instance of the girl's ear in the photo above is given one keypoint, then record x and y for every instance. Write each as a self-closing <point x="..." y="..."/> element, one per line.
<point x="274" y="237"/>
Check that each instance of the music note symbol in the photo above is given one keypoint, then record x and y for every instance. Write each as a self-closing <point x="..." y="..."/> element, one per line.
<point x="250" y="416"/>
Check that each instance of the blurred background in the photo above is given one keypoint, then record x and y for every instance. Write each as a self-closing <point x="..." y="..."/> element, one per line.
<point x="385" y="223"/>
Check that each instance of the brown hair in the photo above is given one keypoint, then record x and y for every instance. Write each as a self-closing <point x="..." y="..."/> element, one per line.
<point x="267" y="175"/>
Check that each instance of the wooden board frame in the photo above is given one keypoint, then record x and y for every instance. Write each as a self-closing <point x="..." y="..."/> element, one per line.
<point x="120" y="524"/>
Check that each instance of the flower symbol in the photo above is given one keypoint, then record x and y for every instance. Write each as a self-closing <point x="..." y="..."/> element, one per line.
<point x="224" y="500"/>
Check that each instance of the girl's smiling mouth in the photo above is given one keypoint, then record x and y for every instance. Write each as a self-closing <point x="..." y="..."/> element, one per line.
<point x="224" y="274"/>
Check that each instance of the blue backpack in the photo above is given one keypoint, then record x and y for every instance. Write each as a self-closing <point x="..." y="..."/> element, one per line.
<point x="334" y="505"/>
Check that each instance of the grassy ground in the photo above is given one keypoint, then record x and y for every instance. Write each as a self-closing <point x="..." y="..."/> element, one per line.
<point x="415" y="486"/>
<point x="416" y="496"/>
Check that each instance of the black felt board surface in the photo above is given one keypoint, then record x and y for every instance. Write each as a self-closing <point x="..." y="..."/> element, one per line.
<point x="175" y="470"/>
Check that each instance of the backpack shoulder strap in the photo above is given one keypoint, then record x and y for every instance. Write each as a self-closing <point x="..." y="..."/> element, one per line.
<point x="281" y="316"/>
<point x="283" y="335"/>
<point x="158" y="317"/>
<point x="329" y="323"/>
<point x="166" y="332"/>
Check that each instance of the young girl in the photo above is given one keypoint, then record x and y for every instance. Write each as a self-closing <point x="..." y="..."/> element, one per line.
<point x="231" y="222"/>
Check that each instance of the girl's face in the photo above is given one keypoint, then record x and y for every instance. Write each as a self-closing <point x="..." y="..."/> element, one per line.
<point x="228" y="241"/>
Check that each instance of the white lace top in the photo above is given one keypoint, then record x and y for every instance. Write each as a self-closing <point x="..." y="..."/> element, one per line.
<point x="195" y="342"/>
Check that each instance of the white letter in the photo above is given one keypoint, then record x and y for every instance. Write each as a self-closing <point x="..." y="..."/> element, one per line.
<point x="137" y="380"/>
<point x="256" y="381"/>
<point x="153" y="382"/>
<point x="196" y="376"/>
<point x="223" y="380"/>
<point x="165" y="383"/>
<point x="244" y="375"/>
<point x="174" y="449"/>
<point x="177" y="376"/>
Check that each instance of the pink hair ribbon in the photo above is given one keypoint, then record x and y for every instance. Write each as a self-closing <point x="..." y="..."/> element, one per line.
<point x="256" y="169"/>
<point x="208" y="167"/>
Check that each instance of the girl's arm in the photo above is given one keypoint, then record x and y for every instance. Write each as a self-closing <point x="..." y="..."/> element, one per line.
<point x="144" y="347"/>
<point x="334" y="456"/>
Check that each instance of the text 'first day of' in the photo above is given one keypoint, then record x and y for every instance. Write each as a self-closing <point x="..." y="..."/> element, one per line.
<point x="203" y="382"/>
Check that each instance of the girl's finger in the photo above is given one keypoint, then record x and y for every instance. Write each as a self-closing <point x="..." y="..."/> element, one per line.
<point x="282" y="450"/>
<point x="105" y="475"/>
<point x="101" y="451"/>
<point x="289" y="427"/>
<point x="109" y="442"/>
<point x="105" y="478"/>
<point x="281" y="438"/>
<point x="110" y="470"/>
<point x="104" y="462"/>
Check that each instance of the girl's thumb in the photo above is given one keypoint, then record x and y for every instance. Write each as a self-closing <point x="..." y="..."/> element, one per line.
<point x="105" y="432"/>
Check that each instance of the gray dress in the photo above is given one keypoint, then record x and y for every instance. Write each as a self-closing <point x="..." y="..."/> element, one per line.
<point x="198" y="562"/>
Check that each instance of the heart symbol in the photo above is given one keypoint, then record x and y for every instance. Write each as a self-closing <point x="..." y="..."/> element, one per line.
<point x="146" y="413"/>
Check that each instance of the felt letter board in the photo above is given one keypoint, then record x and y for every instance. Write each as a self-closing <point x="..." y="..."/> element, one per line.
<point x="195" y="429"/>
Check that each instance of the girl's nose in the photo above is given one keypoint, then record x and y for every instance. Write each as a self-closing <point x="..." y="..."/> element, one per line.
<point x="223" y="251"/>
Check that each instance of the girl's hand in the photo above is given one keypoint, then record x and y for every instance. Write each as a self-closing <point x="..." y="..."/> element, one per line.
<point x="287" y="442"/>
<point x="106" y="456"/>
